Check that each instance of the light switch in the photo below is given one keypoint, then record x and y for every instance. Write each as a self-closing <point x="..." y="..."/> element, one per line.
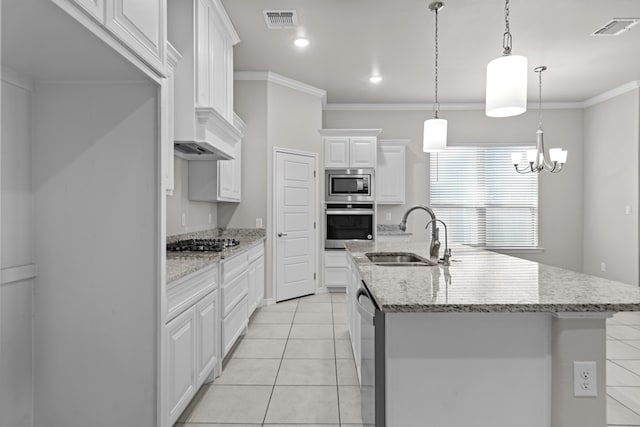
<point x="184" y="219"/>
<point x="388" y="216"/>
<point x="258" y="222"/>
<point x="627" y="210"/>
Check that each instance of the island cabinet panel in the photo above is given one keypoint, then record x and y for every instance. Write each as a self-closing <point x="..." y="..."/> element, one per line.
<point x="468" y="369"/>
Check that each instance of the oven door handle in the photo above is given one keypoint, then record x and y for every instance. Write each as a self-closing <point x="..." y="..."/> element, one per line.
<point x="349" y="212"/>
<point x="363" y="311"/>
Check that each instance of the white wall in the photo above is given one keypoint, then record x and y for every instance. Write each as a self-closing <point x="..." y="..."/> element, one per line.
<point x="611" y="132"/>
<point x="96" y="184"/>
<point x="16" y="298"/>
<point x="560" y="195"/>
<point x="276" y="116"/>
<point x="197" y="214"/>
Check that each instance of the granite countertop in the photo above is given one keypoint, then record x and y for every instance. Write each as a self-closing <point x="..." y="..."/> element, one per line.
<point x="485" y="281"/>
<point x="390" y="230"/>
<point x="180" y="264"/>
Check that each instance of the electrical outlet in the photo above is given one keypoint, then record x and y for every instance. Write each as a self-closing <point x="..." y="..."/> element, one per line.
<point x="388" y="216"/>
<point x="585" y="382"/>
<point x="627" y="210"/>
<point x="258" y="222"/>
<point x="184" y="219"/>
<point x="603" y="266"/>
<point x="209" y="218"/>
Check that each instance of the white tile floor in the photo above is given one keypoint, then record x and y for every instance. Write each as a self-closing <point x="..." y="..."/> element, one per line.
<point x="295" y="368"/>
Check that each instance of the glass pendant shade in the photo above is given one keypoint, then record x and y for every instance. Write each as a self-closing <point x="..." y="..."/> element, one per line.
<point x="435" y="135"/>
<point x="506" y="86"/>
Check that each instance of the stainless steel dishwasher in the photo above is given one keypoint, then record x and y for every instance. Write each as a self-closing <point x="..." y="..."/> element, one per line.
<point x="372" y="359"/>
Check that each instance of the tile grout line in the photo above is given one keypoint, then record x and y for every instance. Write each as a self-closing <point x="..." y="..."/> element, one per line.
<point x="335" y="360"/>
<point x="275" y="381"/>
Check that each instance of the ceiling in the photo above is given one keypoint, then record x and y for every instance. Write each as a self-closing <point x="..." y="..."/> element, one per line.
<point x="351" y="39"/>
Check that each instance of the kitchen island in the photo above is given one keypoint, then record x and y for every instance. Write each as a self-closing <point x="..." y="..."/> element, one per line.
<point x="488" y="341"/>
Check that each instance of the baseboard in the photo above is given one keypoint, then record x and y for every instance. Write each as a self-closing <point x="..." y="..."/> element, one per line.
<point x="267" y="301"/>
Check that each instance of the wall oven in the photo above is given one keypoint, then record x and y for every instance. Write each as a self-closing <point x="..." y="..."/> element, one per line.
<point x="349" y="185"/>
<point x="346" y="221"/>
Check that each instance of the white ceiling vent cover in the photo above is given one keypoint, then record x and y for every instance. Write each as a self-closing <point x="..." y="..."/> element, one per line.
<point x="616" y="26"/>
<point x="280" y="19"/>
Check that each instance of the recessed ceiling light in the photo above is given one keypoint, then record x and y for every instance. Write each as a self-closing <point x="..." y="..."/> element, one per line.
<point x="375" y="79"/>
<point x="301" y="42"/>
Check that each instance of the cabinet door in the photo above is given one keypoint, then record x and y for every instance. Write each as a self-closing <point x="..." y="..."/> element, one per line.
<point x="252" y="273"/>
<point x="260" y="280"/>
<point x="362" y="152"/>
<point x="94" y="8"/>
<point x="230" y="177"/>
<point x="208" y="325"/>
<point x="390" y="174"/>
<point x="181" y="363"/>
<point x="140" y="25"/>
<point x="336" y="152"/>
<point x="203" y="53"/>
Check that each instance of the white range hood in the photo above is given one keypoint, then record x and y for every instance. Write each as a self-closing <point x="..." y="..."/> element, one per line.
<point x="212" y="137"/>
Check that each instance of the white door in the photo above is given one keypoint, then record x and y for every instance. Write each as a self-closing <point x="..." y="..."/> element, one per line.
<point x="295" y="207"/>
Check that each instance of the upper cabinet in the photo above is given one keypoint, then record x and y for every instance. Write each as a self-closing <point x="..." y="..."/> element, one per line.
<point x="138" y="25"/>
<point x="350" y="148"/>
<point x="390" y="171"/>
<point x="141" y="25"/>
<point x="203" y="33"/>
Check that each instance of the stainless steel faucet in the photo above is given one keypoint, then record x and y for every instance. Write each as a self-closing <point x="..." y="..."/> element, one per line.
<point x="434" y="247"/>
<point x="446" y="257"/>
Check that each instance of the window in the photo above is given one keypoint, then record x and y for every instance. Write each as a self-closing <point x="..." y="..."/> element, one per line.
<point x="481" y="198"/>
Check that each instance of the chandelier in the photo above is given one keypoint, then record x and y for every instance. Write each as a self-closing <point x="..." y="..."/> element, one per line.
<point x="537" y="162"/>
<point x="435" y="130"/>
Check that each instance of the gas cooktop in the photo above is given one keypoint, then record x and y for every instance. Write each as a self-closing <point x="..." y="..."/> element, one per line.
<point x="201" y="245"/>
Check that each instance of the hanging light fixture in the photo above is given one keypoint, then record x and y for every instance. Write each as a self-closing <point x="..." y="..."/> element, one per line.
<point x="536" y="158"/>
<point x="435" y="130"/>
<point x="506" y="79"/>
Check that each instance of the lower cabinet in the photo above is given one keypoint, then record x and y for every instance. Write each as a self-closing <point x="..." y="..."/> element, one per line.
<point x="181" y="362"/>
<point x="208" y="337"/>
<point x="336" y="274"/>
<point x="256" y="277"/>
<point x="353" y="318"/>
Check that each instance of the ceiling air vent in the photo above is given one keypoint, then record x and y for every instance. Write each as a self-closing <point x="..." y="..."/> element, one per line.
<point x="280" y="19"/>
<point x="616" y="26"/>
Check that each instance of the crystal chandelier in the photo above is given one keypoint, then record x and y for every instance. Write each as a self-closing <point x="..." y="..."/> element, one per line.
<point x="536" y="158"/>
<point x="506" y="79"/>
<point x="435" y="130"/>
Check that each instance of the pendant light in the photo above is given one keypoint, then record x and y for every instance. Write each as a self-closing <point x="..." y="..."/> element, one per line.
<point x="537" y="162"/>
<point x="506" y="79"/>
<point x="435" y="130"/>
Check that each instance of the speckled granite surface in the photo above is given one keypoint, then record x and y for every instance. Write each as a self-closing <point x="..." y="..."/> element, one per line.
<point x="180" y="264"/>
<point x="484" y="281"/>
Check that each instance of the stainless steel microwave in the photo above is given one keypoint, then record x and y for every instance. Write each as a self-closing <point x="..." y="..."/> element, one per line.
<point x="349" y="185"/>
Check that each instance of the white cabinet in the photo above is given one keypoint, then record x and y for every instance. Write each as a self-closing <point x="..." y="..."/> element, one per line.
<point x="350" y="148"/>
<point x="140" y="25"/>
<point x="390" y="172"/>
<point x="336" y="274"/>
<point x="192" y="337"/>
<point x="202" y="32"/>
<point x="208" y="336"/>
<point x="167" y="119"/>
<point x="353" y="318"/>
<point x="181" y="363"/>
<point x="234" y="301"/>
<point x="256" y="277"/>
<point x="216" y="181"/>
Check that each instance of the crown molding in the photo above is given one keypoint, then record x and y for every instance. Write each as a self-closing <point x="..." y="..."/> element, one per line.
<point x="443" y="107"/>
<point x="226" y="22"/>
<point x="612" y="93"/>
<point x="282" y="81"/>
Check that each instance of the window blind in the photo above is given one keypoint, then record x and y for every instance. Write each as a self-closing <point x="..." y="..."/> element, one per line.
<point x="482" y="199"/>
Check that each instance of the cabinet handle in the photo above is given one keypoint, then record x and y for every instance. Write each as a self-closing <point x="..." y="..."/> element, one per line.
<point x="282" y="234"/>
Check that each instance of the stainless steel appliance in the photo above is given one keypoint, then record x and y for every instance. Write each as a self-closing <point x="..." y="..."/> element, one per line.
<point x="349" y="185"/>
<point x="372" y="367"/>
<point x="347" y="221"/>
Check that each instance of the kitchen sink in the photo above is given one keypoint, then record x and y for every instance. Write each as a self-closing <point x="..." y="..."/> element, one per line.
<point x="398" y="259"/>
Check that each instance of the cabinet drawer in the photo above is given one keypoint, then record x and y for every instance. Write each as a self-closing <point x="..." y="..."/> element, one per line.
<point x="233" y="325"/>
<point x="254" y="253"/>
<point x="334" y="277"/>
<point x="234" y="291"/>
<point x="233" y="267"/>
<point x="335" y="259"/>
<point x="184" y="292"/>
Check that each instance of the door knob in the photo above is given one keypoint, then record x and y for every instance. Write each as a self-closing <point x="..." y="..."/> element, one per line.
<point x="281" y="234"/>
